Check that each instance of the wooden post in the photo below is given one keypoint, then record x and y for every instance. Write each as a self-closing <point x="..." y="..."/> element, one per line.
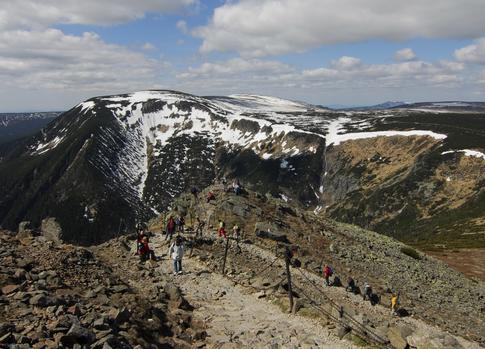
<point x="225" y="256"/>
<point x="288" y="275"/>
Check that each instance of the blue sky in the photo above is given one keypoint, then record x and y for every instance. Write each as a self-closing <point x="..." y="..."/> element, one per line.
<point x="54" y="54"/>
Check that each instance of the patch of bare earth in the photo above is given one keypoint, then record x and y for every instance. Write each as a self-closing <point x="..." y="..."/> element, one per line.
<point x="469" y="261"/>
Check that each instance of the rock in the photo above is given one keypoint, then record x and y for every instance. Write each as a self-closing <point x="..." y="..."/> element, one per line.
<point x="120" y="316"/>
<point x="78" y="334"/>
<point x="100" y="324"/>
<point x="74" y="310"/>
<point x="397" y="336"/>
<point x="24" y="230"/>
<point x="51" y="230"/>
<point x="7" y="338"/>
<point x="6" y="328"/>
<point x="43" y="301"/>
<point x="10" y="289"/>
<point x="342" y="331"/>
<point x="269" y="231"/>
<point x="25" y="263"/>
<point x="297" y="305"/>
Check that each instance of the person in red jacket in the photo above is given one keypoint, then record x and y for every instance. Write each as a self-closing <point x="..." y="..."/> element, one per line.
<point x="327" y="272"/>
<point x="139" y="240"/>
<point x="170" y="228"/>
<point x="222" y="230"/>
<point x="145" y="251"/>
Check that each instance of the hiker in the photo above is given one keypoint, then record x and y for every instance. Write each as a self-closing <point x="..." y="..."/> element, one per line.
<point x="194" y="192"/>
<point x="222" y="231"/>
<point x="170" y="228"/>
<point x="210" y="196"/>
<point x="176" y="251"/>
<point x="236" y="186"/>
<point x="181" y="224"/>
<point x="199" y="226"/>
<point x="367" y="292"/>
<point x="350" y="285"/>
<point x="327" y="272"/>
<point x="236" y="232"/>
<point x="394" y="303"/>
<point x="145" y="251"/>
<point x="139" y="240"/>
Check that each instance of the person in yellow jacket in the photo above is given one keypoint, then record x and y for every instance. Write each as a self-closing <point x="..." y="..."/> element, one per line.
<point x="394" y="303"/>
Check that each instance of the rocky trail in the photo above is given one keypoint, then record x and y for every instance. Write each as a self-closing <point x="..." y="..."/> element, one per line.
<point x="233" y="316"/>
<point x="248" y="308"/>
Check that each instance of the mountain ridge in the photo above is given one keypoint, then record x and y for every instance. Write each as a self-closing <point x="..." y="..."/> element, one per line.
<point x="123" y="158"/>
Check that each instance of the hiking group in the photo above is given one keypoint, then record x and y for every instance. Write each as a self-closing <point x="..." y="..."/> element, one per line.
<point x="367" y="293"/>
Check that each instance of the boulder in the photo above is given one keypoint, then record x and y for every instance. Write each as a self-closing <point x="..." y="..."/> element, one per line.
<point x="43" y="301"/>
<point x="24" y="230"/>
<point x="9" y="289"/>
<point x="120" y="316"/>
<point x="78" y="335"/>
<point x="51" y="230"/>
<point x="269" y="231"/>
<point x="397" y="336"/>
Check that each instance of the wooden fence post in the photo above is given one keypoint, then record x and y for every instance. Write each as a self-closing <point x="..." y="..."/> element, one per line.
<point x="225" y="256"/>
<point x="288" y="275"/>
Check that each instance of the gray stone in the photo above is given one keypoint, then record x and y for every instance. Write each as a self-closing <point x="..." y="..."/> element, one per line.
<point x="269" y="231"/>
<point x="397" y="336"/>
<point x="51" y="230"/>
<point x="78" y="334"/>
<point x="24" y="230"/>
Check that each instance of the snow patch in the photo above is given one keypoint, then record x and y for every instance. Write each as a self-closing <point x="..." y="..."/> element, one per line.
<point x="334" y="136"/>
<point x="467" y="152"/>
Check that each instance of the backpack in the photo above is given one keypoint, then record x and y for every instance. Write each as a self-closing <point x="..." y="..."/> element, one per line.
<point x="330" y="271"/>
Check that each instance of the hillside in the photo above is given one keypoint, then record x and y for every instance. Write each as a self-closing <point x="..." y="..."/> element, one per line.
<point x="103" y="297"/>
<point x="415" y="174"/>
<point x="429" y="289"/>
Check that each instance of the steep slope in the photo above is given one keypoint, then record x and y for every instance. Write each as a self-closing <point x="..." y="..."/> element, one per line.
<point x="113" y="160"/>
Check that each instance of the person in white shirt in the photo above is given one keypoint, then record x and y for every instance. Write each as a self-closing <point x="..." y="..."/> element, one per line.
<point x="176" y="251"/>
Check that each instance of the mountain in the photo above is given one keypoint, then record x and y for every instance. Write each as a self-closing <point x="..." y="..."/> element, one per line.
<point x="18" y="125"/>
<point x="113" y="160"/>
<point x="381" y="106"/>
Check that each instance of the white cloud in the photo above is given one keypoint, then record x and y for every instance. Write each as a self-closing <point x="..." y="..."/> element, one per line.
<point x="270" y="27"/>
<point x="344" y="74"/>
<point x="346" y="63"/>
<point x="182" y="26"/>
<point x="473" y="53"/>
<point x="237" y="66"/>
<point x="147" y="46"/>
<point x="50" y="59"/>
<point x="406" y="54"/>
<point x="27" y="14"/>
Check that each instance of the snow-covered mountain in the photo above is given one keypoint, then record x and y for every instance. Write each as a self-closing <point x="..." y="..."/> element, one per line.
<point x="112" y="160"/>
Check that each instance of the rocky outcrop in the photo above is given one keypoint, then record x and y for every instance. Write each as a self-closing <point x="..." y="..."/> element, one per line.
<point x="55" y="295"/>
<point x="51" y="230"/>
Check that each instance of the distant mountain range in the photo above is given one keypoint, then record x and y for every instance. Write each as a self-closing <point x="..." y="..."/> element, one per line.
<point x="413" y="172"/>
<point x="18" y="125"/>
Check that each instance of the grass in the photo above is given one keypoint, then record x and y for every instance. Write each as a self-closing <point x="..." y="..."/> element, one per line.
<point x="411" y="252"/>
<point x="358" y="341"/>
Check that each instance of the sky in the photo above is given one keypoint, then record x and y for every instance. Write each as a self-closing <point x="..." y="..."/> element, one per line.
<point x="56" y="53"/>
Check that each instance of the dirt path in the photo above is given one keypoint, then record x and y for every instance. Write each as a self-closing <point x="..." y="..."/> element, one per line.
<point x="237" y="318"/>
